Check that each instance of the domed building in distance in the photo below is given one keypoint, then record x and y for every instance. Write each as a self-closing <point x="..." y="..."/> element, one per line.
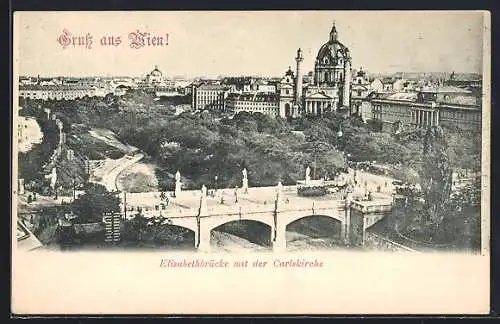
<point x="330" y="88"/>
<point x="155" y="77"/>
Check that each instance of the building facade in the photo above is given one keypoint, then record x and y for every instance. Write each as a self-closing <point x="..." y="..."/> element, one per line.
<point x="57" y="92"/>
<point x="155" y="77"/>
<point x="442" y="106"/>
<point x="360" y="90"/>
<point x="264" y="103"/>
<point x="209" y="96"/>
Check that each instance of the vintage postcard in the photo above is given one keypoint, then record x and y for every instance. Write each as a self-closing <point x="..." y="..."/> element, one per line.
<point x="251" y="162"/>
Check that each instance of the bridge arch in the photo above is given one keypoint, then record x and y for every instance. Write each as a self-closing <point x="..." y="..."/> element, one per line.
<point x="253" y="231"/>
<point x="290" y="217"/>
<point x="187" y="223"/>
<point x="212" y="222"/>
<point x="317" y="230"/>
<point x="180" y="237"/>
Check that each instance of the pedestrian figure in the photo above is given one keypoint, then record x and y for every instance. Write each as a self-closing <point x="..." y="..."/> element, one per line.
<point x="287" y="200"/>
<point x="157" y="207"/>
<point x="30" y="199"/>
<point x="167" y="200"/>
<point x="222" y="200"/>
<point x="34" y="196"/>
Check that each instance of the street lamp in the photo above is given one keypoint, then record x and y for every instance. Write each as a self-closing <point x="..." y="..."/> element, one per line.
<point x="215" y="178"/>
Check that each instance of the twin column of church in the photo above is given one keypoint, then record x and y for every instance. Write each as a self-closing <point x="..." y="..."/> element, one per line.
<point x="425" y="118"/>
<point x="316" y="107"/>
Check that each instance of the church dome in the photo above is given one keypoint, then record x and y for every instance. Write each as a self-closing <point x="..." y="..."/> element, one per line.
<point x="333" y="47"/>
<point x="156" y="72"/>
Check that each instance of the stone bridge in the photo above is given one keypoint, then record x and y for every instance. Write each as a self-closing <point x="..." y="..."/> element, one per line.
<point x="201" y="214"/>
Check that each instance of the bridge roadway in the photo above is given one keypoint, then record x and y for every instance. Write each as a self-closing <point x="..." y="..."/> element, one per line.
<point x="258" y="204"/>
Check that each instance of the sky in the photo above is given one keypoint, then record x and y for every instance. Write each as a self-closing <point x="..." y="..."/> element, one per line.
<point x="232" y="43"/>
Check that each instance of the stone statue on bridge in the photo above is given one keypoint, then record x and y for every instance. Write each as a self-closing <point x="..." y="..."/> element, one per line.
<point x="53" y="179"/>
<point x="279" y="190"/>
<point x="308" y="175"/>
<point x="203" y="200"/>
<point x="177" y="183"/>
<point x="236" y="194"/>
<point x="245" y="181"/>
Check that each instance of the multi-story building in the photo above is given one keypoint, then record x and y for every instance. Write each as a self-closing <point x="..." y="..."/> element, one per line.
<point x="464" y="81"/>
<point x="360" y="90"/>
<point x="56" y="92"/>
<point x="256" y="102"/>
<point x="250" y="84"/>
<point x="209" y="96"/>
<point x="445" y="106"/>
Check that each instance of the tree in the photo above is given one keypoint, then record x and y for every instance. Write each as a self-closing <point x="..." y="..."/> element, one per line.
<point x="435" y="175"/>
<point x="324" y="158"/>
<point x="94" y="203"/>
<point x="320" y="132"/>
<point x="155" y="231"/>
<point x="462" y="223"/>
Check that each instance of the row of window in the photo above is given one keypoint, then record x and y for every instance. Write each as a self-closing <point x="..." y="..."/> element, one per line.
<point x="328" y="76"/>
<point x="209" y="106"/>
<point x="327" y="61"/>
<point x="260" y="109"/>
<point x="23" y="93"/>
<point x="57" y="96"/>
<point x="253" y="103"/>
<point x="209" y="99"/>
<point x="473" y="116"/>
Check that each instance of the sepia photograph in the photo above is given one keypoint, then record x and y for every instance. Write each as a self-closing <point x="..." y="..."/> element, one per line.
<point x="251" y="133"/>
